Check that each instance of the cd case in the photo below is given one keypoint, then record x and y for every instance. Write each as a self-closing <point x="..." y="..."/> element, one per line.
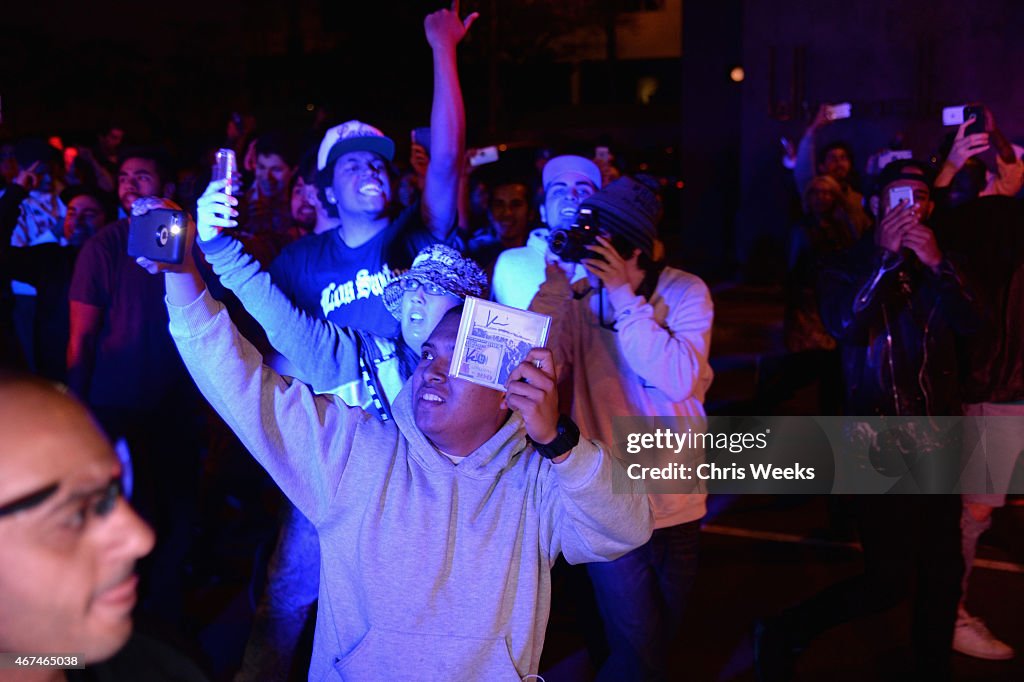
<point x="493" y="339"/>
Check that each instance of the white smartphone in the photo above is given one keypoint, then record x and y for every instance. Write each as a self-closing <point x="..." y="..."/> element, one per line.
<point x="837" y="111"/>
<point x="897" y="194"/>
<point x="953" y="116"/>
<point x="484" y="155"/>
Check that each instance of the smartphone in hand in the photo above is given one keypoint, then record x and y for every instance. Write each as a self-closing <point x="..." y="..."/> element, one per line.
<point x="898" y="194"/>
<point x="978" y="112"/>
<point x="837" y="111"/>
<point x="225" y="168"/>
<point x="479" y="157"/>
<point x="954" y="116"/>
<point x="421" y="136"/>
<point x="158" y="235"/>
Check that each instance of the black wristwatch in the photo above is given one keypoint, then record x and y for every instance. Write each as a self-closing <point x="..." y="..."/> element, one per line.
<point x="568" y="437"/>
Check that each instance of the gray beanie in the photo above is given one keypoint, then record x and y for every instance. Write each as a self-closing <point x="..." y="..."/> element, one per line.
<point x="626" y="207"/>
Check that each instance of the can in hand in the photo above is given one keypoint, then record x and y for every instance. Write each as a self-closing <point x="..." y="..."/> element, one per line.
<point x="226" y="168"/>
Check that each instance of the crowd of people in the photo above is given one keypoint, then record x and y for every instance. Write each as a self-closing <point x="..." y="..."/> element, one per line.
<point x="422" y="516"/>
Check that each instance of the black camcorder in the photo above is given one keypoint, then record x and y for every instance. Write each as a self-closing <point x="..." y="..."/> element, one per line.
<point x="572" y="245"/>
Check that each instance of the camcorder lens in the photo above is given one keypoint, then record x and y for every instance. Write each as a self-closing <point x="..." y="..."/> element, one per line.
<point x="571" y="245"/>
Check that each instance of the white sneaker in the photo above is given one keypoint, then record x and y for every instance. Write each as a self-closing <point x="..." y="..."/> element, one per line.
<point x="972" y="638"/>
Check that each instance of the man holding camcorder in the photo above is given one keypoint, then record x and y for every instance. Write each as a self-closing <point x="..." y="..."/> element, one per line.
<point x="518" y="273"/>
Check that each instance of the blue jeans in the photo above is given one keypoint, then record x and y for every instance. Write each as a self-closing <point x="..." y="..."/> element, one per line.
<point x="642" y="596"/>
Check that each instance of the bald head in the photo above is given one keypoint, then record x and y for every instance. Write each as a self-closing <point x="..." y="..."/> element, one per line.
<point x="34" y="416"/>
<point x="70" y="541"/>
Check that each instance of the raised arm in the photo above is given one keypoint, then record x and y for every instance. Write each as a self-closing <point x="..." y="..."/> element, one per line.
<point x="964" y="147"/>
<point x="325" y="355"/>
<point x="444" y="29"/>
<point x="583" y="515"/>
<point x="303" y="440"/>
<point x="1009" y="176"/>
<point x="672" y="357"/>
<point x="852" y="286"/>
<point x="804" y="168"/>
<point x="594" y="511"/>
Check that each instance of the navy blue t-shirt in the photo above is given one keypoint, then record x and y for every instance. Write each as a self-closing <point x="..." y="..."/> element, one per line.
<point x="330" y="280"/>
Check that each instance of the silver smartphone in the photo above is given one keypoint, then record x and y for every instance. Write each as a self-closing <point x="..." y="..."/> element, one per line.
<point x="836" y="111"/>
<point x="897" y="194"/>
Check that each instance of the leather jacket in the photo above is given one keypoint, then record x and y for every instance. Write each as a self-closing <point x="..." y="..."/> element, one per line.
<point x="896" y="322"/>
<point x="989" y="235"/>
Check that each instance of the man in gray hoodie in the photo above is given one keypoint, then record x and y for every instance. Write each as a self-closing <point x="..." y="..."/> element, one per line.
<point x="438" y="529"/>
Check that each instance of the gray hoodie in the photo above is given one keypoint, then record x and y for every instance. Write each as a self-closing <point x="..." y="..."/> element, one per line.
<point x="429" y="570"/>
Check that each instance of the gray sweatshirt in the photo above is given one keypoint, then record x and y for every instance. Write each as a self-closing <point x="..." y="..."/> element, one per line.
<point x="324" y="355"/>
<point x="428" y="570"/>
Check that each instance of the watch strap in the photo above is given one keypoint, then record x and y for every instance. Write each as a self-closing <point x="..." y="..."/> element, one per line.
<point x="568" y="437"/>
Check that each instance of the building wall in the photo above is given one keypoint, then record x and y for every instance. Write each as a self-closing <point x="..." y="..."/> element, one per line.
<point x="652" y="34"/>
<point x="648" y="34"/>
<point x="709" y="138"/>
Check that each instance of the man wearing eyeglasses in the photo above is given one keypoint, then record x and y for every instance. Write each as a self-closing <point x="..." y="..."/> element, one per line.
<point x="70" y="542"/>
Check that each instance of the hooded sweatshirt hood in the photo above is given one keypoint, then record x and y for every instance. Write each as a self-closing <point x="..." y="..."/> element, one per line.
<point x="499" y="453"/>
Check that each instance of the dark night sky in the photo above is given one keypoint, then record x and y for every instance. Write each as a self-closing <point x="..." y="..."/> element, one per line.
<point x="73" y="65"/>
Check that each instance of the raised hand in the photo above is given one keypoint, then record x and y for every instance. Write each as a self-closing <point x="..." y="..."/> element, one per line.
<point x="921" y="241"/>
<point x="215" y="211"/>
<point x="965" y="146"/>
<point x="145" y="205"/>
<point x="895" y="222"/>
<point x="788" y="153"/>
<point x="821" y="119"/>
<point x="613" y="270"/>
<point x="533" y="393"/>
<point x="28" y="178"/>
<point x="445" y="29"/>
<point x="419" y="160"/>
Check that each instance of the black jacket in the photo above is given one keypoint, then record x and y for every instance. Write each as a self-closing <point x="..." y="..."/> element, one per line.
<point x="48" y="268"/>
<point x="988" y="233"/>
<point x="896" y="322"/>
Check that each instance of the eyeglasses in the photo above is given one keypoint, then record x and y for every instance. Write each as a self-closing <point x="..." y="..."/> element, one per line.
<point x="412" y="284"/>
